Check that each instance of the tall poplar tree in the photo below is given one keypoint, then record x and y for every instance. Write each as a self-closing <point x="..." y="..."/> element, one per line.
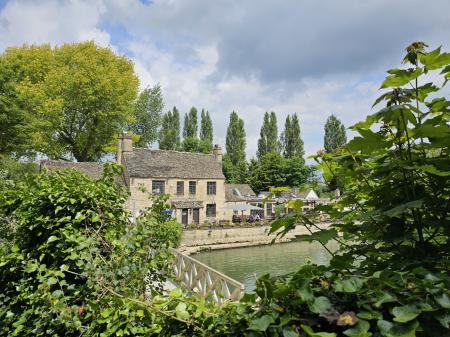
<point x="206" y="128"/>
<point x="268" y="136"/>
<point x="335" y="135"/>
<point x="147" y="111"/>
<point x="235" y="141"/>
<point x="169" y="135"/>
<point x="190" y="124"/>
<point x="291" y="139"/>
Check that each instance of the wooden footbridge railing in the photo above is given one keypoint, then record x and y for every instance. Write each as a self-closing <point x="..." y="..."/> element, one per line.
<point x="198" y="277"/>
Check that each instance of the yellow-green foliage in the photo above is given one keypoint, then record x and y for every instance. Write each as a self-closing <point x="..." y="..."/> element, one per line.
<point x="76" y="96"/>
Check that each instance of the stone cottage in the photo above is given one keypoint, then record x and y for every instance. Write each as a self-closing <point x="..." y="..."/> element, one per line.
<point x="194" y="181"/>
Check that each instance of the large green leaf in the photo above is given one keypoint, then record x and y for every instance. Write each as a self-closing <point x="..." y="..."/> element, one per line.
<point x="361" y="329"/>
<point x="399" y="77"/>
<point x="384" y="297"/>
<point x="310" y="332"/>
<point x="389" y="329"/>
<point x="261" y="323"/>
<point x="323" y="236"/>
<point x="349" y="285"/>
<point x="289" y="333"/>
<point x="285" y="222"/>
<point x="405" y="313"/>
<point x="433" y="170"/>
<point x="181" y="312"/>
<point x="424" y="90"/>
<point x="435" y="59"/>
<point x="320" y="305"/>
<point x="403" y="207"/>
<point x="368" y="142"/>
<point x="444" y="319"/>
<point x="428" y="130"/>
<point x="443" y="300"/>
<point x="304" y="291"/>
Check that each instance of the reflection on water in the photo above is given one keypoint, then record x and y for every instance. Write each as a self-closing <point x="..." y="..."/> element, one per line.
<point x="243" y="264"/>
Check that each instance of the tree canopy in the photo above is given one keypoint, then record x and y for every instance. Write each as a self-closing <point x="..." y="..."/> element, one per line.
<point x="268" y="139"/>
<point x="190" y="124"/>
<point x="72" y="100"/>
<point x="291" y="139"/>
<point x="235" y="140"/>
<point x="273" y="170"/>
<point x="147" y="115"/>
<point x="335" y="135"/>
<point x="169" y="134"/>
<point x="206" y="129"/>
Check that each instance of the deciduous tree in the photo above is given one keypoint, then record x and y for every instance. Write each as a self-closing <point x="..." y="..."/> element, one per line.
<point x="206" y="129"/>
<point x="77" y="96"/>
<point x="169" y="135"/>
<point x="235" y="140"/>
<point x="335" y="135"/>
<point x="268" y="140"/>
<point x="291" y="139"/>
<point x="147" y="113"/>
<point x="190" y="123"/>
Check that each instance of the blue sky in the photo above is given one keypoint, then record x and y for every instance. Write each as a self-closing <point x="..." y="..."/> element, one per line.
<point x="314" y="58"/>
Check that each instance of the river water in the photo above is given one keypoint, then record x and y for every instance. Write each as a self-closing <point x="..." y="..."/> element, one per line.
<point x="248" y="263"/>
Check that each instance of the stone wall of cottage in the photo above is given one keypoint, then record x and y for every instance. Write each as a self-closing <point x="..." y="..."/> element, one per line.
<point x="141" y="187"/>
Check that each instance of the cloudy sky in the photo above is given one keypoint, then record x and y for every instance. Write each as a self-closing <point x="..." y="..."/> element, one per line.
<point x="312" y="57"/>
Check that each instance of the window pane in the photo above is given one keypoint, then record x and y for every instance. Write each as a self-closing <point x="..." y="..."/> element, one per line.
<point x="211" y="188"/>
<point x="192" y="187"/>
<point x="158" y="187"/>
<point x="211" y="210"/>
<point x="180" y="187"/>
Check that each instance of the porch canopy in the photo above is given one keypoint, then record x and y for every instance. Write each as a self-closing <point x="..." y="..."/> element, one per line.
<point x="243" y="207"/>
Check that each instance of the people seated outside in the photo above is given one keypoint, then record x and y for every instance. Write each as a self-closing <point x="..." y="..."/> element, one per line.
<point x="257" y="217"/>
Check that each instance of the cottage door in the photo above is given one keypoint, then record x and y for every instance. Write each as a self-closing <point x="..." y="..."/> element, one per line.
<point x="184" y="216"/>
<point x="196" y="216"/>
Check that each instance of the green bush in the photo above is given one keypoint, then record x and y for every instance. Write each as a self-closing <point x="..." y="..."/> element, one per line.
<point x="75" y="258"/>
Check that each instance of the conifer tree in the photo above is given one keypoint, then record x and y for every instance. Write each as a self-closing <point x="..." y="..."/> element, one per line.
<point x="335" y="135"/>
<point x="190" y="124"/>
<point x="235" y="141"/>
<point x="169" y="135"/>
<point x="206" y="128"/>
<point x="268" y="140"/>
<point x="292" y="142"/>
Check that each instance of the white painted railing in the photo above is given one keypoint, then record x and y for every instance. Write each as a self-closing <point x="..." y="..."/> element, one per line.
<point x="198" y="277"/>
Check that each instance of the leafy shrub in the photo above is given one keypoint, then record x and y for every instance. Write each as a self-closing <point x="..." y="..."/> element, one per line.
<point x="75" y="258"/>
<point x="390" y="277"/>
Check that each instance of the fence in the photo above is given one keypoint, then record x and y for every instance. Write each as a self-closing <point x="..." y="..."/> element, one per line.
<point x="200" y="278"/>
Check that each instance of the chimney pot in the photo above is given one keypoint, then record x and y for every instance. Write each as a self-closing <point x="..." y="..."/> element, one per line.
<point x="125" y="144"/>
<point x="217" y="152"/>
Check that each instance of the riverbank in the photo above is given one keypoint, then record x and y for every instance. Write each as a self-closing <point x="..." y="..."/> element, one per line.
<point x="197" y="240"/>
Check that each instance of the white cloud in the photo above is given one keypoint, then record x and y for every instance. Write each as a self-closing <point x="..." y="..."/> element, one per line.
<point x="52" y="22"/>
<point x="222" y="55"/>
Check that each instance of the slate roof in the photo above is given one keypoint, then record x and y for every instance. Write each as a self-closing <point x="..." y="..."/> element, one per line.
<point x="91" y="169"/>
<point x="238" y="192"/>
<point x="147" y="163"/>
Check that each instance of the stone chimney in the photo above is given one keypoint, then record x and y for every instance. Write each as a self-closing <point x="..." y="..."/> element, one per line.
<point x="125" y="144"/>
<point x="217" y="152"/>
